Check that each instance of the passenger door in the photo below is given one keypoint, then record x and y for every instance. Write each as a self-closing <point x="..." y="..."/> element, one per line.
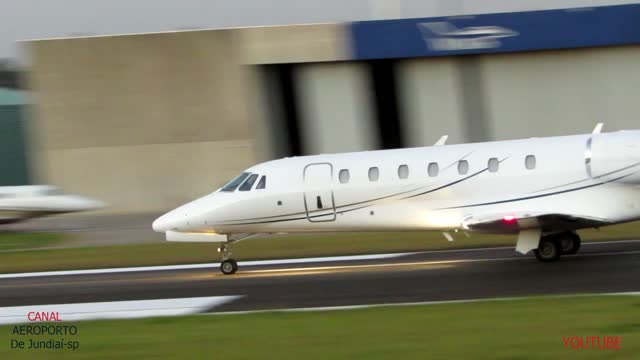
<point x="318" y="194"/>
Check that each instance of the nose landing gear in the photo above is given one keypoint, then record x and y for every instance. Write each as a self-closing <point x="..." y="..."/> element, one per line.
<point x="228" y="266"/>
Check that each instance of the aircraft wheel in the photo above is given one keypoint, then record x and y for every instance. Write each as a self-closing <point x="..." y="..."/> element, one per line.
<point x="548" y="250"/>
<point x="569" y="243"/>
<point x="229" y="267"/>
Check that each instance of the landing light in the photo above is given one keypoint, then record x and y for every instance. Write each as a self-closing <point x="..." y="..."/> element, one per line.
<point x="509" y="219"/>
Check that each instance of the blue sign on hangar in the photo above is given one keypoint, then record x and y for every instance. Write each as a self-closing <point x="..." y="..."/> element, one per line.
<point x="496" y="33"/>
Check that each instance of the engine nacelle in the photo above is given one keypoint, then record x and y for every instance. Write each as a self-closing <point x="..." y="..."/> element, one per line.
<point x="614" y="157"/>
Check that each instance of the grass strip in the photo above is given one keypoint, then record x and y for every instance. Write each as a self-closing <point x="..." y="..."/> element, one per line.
<point x="506" y="329"/>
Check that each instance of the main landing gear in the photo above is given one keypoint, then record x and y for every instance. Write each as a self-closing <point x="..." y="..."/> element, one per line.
<point x="228" y="266"/>
<point x="552" y="246"/>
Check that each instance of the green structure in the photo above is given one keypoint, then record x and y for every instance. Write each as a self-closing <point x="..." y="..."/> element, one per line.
<point x="13" y="160"/>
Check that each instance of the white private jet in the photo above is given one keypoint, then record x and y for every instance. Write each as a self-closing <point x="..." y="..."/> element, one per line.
<point x="19" y="203"/>
<point x="540" y="188"/>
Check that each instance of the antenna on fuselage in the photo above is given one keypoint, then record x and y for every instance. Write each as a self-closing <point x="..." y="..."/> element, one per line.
<point x="598" y="128"/>
<point x="441" y="141"/>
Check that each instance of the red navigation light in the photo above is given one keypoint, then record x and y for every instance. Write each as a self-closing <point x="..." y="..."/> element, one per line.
<point x="509" y="219"/>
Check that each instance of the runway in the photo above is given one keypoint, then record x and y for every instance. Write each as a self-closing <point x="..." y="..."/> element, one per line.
<point x="415" y="277"/>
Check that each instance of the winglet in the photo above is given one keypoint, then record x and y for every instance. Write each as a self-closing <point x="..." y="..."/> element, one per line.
<point x="598" y="128"/>
<point x="441" y="141"/>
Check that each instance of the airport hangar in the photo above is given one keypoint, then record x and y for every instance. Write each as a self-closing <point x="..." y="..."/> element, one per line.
<point x="149" y="121"/>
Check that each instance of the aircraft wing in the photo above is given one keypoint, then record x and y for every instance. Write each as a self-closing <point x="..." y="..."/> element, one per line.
<point x="515" y="222"/>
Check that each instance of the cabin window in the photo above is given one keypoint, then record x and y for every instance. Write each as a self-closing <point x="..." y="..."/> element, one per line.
<point x="493" y="165"/>
<point x="262" y="183"/>
<point x="248" y="184"/>
<point x="433" y="169"/>
<point x="233" y="184"/>
<point x="343" y="176"/>
<point x="374" y="174"/>
<point x="530" y="162"/>
<point x="463" y="167"/>
<point x="403" y="172"/>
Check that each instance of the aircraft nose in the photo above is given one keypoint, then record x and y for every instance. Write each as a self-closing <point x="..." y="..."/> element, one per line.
<point x="165" y="222"/>
<point x="175" y="219"/>
<point x="184" y="217"/>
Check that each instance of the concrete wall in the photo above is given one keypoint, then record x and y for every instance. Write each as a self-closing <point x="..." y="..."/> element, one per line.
<point x="147" y="122"/>
<point x="294" y="44"/>
<point x="144" y="122"/>
<point x="336" y="108"/>
<point x="430" y="100"/>
<point x="561" y="92"/>
<point x="508" y="96"/>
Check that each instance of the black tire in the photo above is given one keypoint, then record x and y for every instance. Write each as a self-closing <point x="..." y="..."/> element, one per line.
<point x="573" y="242"/>
<point x="229" y="267"/>
<point x="548" y="250"/>
<point x="569" y="242"/>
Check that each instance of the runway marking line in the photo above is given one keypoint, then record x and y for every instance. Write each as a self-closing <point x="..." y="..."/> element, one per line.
<point x="295" y="261"/>
<point x="295" y="271"/>
<point x="437" y="302"/>
<point x="131" y="309"/>
<point x="204" y="266"/>
<point x="244" y="274"/>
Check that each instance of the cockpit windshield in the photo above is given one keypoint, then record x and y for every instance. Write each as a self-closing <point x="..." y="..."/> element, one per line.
<point x="247" y="185"/>
<point x="233" y="184"/>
